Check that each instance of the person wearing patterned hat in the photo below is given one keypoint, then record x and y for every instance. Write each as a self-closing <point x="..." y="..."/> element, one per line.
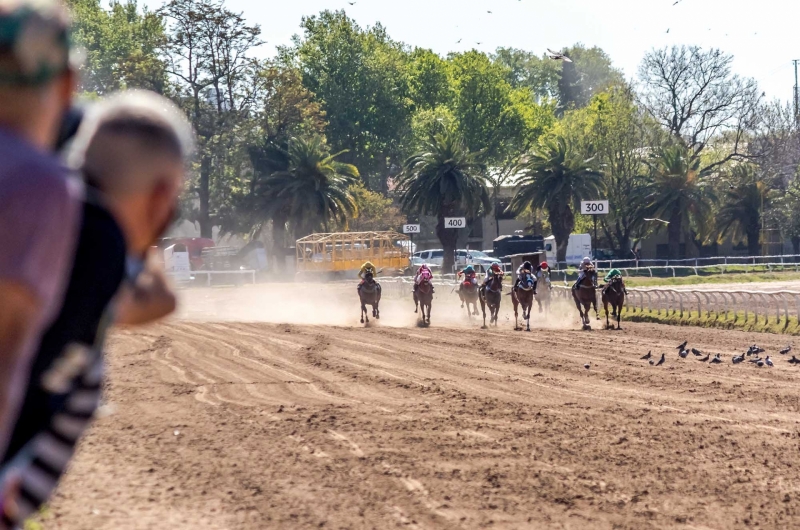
<point x="39" y="204"/>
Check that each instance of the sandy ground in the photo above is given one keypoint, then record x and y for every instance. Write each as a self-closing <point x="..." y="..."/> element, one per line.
<point x="220" y="423"/>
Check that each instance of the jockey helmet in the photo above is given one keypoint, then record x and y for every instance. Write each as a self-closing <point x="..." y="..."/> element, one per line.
<point x="543" y="265"/>
<point x="587" y="260"/>
<point x="369" y="265"/>
<point x="469" y="268"/>
<point x="423" y="267"/>
<point x="527" y="265"/>
<point x="496" y="267"/>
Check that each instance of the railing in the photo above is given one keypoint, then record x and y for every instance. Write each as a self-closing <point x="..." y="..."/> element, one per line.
<point x="672" y="270"/>
<point x="224" y="274"/>
<point x="736" y="307"/>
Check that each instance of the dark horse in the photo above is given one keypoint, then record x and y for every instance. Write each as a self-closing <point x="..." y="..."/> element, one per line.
<point x="544" y="292"/>
<point x="614" y="294"/>
<point x="423" y="296"/>
<point x="468" y="293"/>
<point x="522" y="295"/>
<point x="491" y="295"/>
<point x="585" y="295"/>
<point x="370" y="294"/>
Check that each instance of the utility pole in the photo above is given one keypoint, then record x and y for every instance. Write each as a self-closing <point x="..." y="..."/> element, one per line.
<point x="796" y="95"/>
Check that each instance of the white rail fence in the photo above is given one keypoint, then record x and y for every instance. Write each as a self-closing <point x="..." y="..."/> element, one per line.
<point x="779" y="307"/>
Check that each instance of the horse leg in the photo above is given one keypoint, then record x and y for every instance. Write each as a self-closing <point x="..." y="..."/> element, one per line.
<point x="416" y="302"/>
<point x="483" y="310"/>
<point x="619" y="316"/>
<point x="364" y="312"/>
<point x="594" y="304"/>
<point x="516" y="321"/>
<point x="430" y="305"/>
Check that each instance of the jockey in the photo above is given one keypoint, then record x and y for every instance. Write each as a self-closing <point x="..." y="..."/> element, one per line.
<point x="614" y="273"/>
<point x="469" y="275"/>
<point x="491" y="272"/>
<point x="543" y="269"/>
<point x="585" y="264"/>
<point x="423" y="273"/>
<point x="525" y="267"/>
<point x="367" y="267"/>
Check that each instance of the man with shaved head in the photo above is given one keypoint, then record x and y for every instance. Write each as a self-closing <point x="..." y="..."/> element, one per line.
<point x="132" y="150"/>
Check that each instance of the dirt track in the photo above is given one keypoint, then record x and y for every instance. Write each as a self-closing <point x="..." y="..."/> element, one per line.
<point x="233" y="425"/>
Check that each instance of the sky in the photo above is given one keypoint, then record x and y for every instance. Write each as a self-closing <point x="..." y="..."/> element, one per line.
<point x="763" y="36"/>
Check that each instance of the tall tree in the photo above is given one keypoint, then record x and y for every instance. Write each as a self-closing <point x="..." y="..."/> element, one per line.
<point x="121" y="44"/>
<point x="675" y="193"/>
<point x="694" y="94"/>
<point x="359" y="77"/>
<point x="555" y="178"/>
<point x="444" y="179"/>
<point x="742" y="208"/>
<point x="208" y="57"/>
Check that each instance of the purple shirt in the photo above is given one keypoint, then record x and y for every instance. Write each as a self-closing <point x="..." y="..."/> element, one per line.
<point x="39" y="214"/>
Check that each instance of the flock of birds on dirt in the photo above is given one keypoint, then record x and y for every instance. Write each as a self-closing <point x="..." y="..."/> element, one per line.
<point x="752" y="355"/>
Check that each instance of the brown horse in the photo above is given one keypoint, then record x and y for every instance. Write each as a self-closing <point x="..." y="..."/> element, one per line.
<point x="468" y="293"/>
<point x="614" y="294"/>
<point x="423" y="297"/>
<point x="544" y="292"/>
<point x="522" y="295"/>
<point x="370" y="294"/>
<point x="585" y="296"/>
<point x="491" y="295"/>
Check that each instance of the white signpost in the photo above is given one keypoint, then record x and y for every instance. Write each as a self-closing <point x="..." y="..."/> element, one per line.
<point x="594" y="208"/>
<point x="411" y="229"/>
<point x="455" y="222"/>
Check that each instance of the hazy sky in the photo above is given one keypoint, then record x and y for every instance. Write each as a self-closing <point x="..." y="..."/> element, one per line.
<point x="763" y="36"/>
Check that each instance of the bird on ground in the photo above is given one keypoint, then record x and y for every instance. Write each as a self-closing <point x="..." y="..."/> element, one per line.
<point x="786" y="350"/>
<point x="756" y="360"/>
<point x="697" y="352"/>
<point x="769" y="362"/>
<point x="683" y="354"/>
<point x="652" y="362"/>
<point x="649" y="354"/>
<point x="716" y="359"/>
<point x="682" y="346"/>
<point x="794" y="360"/>
<point x="661" y="360"/>
<point x="760" y="363"/>
<point x="737" y="359"/>
<point x="587" y="366"/>
<point x="558" y="56"/>
<point x="705" y="359"/>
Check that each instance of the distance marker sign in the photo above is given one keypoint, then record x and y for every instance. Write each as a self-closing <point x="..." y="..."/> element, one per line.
<point x="594" y="207"/>
<point x="455" y="222"/>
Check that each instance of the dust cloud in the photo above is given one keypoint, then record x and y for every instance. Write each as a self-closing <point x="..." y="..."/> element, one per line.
<point x="337" y="304"/>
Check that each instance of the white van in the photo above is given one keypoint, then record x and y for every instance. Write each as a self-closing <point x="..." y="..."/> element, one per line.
<point x="579" y="246"/>
<point x="431" y="257"/>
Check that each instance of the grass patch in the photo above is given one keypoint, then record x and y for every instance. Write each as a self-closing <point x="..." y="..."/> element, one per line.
<point x="731" y="320"/>
<point x="728" y="277"/>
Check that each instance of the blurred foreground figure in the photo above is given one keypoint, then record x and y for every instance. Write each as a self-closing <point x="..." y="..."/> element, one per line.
<point x="131" y="150"/>
<point x="39" y="208"/>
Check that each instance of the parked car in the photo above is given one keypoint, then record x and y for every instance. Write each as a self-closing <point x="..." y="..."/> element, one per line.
<point x="466" y="257"/>
<point x="431" y="257"/>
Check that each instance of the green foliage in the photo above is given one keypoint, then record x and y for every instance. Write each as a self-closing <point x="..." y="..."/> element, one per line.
<point x="376" y="212"/>
<point x="359" y="77"/>
<point x="555" y="178"/>
<point x="121" y="45"/>
<point x="444" y="179"/>
<point x="740" y="214"/>
<point x="674" y="192"/>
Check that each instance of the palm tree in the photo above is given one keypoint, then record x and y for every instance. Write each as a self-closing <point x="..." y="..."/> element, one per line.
<point x="742" y="207"/>
<point x="674" y="192"/>
<point x="311" y="192"/>
<point x="555" y="178"/>
<point x="444" y="179"/>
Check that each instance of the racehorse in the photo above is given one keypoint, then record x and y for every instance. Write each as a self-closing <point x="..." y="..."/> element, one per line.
<point x="522" y="295"/>
<point x="491" y="295"/>
<point x="468" y="293"/>
<point x="543" y="293"/>
<point x="614" y="294"/>
<point x="423" y="297"/>
<point x="370" y="294"/>
<point x="585" y="294"/>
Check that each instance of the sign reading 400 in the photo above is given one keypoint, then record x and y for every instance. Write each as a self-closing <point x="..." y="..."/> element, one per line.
<point x="455" y="222"/>
<point x="594" y="207"/>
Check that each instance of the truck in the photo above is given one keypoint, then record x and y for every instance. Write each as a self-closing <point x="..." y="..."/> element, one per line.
<point x="507" y="245"/>
<point x="579" y="246"/>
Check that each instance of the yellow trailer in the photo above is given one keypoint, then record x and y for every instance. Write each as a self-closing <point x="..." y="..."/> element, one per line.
<point x="347" y="251"/>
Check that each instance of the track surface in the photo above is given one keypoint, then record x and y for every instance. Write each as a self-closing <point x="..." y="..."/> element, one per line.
<point x="252" y="426"/>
